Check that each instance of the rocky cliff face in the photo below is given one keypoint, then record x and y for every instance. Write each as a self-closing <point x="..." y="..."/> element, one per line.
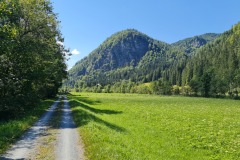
<point x="126" y="50"/>
<point x="132" y="48"/>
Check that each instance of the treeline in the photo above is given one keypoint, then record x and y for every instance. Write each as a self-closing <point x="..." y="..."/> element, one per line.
<point x="159" y="87"/>
<point x="32" y="57"/>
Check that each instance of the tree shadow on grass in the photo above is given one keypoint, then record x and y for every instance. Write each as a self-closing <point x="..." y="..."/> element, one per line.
<point x="76" y="103"/>
<point x="83" y="99"/>
<point x="83" y="117"/>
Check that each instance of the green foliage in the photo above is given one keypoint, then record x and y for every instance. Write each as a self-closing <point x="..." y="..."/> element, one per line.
<point x="176" y="90"/>
<point x="131" y="126"/>
<point x="214" y="69"/>
<point x="31" y="60"/>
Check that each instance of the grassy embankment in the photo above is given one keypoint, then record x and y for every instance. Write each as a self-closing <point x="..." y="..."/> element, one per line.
<point x="125" y="126"/>
<point x="13" y="129"/>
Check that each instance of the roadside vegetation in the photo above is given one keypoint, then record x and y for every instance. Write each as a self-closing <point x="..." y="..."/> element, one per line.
<point x="132" y="126"/>
<point x="12" y="129"/>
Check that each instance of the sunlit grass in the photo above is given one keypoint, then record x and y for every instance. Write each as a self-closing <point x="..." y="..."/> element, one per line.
<point x="126" y="126"/>
<point x="13" y="129"/>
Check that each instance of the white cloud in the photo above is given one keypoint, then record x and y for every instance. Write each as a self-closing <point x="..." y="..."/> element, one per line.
<point x="69" y="67"/>
<point x="75" y="51"/>
<point x="60" y="43"/>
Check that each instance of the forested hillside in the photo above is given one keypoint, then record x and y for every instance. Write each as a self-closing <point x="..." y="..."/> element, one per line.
<point x="130" y="61"/>
<point x="214" y="69"/>
<point x="32" y="59"/>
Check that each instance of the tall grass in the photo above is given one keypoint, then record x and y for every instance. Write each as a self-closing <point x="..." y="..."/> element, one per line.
<point x="13" y="129"/>
<point x="126" y="126"/>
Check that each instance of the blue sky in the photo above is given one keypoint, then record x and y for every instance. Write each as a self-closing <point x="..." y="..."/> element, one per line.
<point x="85" y="24"/>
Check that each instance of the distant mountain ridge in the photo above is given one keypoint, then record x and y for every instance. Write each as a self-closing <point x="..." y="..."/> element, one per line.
<point x="189" y="45"/>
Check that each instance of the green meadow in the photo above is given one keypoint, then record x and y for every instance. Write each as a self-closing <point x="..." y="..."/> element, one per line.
<point x="131" y="126"/>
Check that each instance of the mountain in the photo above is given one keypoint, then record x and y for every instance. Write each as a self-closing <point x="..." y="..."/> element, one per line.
<point x="189" y="45"/>
<point x="125" y="48"/>
<point x="132" y="55"/>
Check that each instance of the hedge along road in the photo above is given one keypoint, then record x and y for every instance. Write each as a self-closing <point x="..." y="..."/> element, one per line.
<point x="67" y="146"/>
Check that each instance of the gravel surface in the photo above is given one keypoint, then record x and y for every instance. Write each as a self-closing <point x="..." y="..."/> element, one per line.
<point x="69" y="146"/>
<point x="25" y="146"/>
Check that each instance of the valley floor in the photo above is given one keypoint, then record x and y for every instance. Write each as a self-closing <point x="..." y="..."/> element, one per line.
<point x="133" y="126"/>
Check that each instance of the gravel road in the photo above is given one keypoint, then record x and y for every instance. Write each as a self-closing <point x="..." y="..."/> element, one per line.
<point x="25" y="146"/>
<point x="68" y="141"/>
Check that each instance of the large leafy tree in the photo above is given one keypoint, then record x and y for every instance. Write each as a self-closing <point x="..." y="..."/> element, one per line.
<point x="32" y="61"/>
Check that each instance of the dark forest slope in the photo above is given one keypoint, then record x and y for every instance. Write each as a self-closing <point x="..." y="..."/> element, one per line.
<point x="214" y="69"/>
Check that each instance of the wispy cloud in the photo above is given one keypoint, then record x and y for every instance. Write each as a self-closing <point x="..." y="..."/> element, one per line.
<point x="75" y="51"/>
<point x="60" y="43"/>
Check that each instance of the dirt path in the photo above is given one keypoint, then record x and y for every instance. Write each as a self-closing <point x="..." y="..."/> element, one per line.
<point x="68" y="144"/>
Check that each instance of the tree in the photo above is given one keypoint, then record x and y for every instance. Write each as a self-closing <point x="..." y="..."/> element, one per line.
<point x="195" y="85"/>
<point x="176" y="90"/>
<point x="206" y="83"/>
<point x="32" y="61"/>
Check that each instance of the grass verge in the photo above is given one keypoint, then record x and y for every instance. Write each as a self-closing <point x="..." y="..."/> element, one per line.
<point x="13" y="129"/>
<point x="127" y="126"/>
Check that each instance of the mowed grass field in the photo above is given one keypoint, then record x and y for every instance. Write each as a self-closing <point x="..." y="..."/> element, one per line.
<point x="131" y="126"/>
